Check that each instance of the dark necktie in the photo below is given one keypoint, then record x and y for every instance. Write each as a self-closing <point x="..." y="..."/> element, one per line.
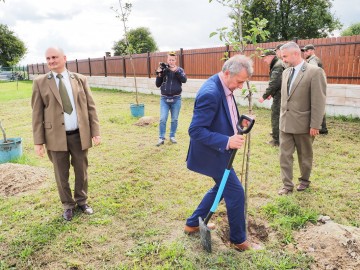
<point x="292" y="71"/>
<point x="64" y="96"/>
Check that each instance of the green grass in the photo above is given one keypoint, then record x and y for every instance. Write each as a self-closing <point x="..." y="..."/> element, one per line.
<point x="142" y="194"/>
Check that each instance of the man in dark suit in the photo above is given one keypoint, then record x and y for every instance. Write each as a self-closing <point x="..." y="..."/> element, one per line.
<point x="64" y="119"/>
<point x="303" y="95"/>
<point x="213" y="135"/>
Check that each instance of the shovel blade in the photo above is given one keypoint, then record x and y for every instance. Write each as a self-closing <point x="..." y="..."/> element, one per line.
<point x="205" y="235"/>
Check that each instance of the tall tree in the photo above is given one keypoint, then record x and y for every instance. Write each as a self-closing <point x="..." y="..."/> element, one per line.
<point x="140" y="41"/>
<point x="12" y="49"/>
<point x="352" y="30"/>
<point x="293" y="18"/>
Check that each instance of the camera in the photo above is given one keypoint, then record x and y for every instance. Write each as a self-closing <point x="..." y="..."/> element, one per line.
<point x="162" y="66"/>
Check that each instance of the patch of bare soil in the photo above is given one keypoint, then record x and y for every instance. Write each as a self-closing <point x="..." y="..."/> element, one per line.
<point x="257" y="232"/>
<point x="333" y="246"/>
<point x="17" y="178"/>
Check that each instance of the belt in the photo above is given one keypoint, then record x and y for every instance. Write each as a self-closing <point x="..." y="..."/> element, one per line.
<point x="71" y="132"/>
<point x="171" y="95"/>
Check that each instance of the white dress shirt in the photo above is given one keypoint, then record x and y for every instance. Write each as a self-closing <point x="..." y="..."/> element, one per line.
<point x="71" y="122"/>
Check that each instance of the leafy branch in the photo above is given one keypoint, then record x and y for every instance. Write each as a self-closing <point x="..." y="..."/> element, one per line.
<point x="123" y="15"/>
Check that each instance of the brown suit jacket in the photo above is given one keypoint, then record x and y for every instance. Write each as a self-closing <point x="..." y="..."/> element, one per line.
<point x="304" y="108"/>
<point x="48" y="115"/>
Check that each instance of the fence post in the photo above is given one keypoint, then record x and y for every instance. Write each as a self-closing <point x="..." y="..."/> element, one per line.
<point x="37" y="68"/>
<point x="89" y="67"/>
<point x="181" y="58"/>
<point x="77" y="66"/>
<point x="27" y="70"/>
<point x="105" y="70"/>
<point x="148" y="64"/>
<point x="124" y="67"/>
<point x="43" y="65"/>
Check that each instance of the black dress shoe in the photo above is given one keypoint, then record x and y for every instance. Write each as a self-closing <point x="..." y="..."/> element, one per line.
<point x="68" y="214"/>
<point x="86" y="209"/>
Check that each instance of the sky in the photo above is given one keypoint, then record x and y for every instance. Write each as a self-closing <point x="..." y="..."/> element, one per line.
<point x="89" y="28"/>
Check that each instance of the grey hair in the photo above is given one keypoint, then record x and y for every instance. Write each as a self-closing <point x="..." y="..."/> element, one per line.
<point x="237" y="63"/>
<point x="290" y="46"/>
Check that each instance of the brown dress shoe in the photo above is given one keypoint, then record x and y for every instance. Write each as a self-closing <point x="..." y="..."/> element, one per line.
<point x="284" y="191"/>
<point x="68" y="214"/>
<point x="86" y="209"/>
<point x="191" y="230"/>
<point x="302" y="187"/>
<point x="246" y="245"/>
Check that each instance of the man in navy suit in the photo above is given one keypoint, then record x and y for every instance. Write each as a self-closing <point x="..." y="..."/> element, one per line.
<point x="213" y="135"/>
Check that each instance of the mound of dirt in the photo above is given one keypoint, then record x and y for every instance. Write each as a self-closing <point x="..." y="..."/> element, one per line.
<point x="332" y="245"/>
<point x="17" y="178"/>
<point x="147" y="120"/>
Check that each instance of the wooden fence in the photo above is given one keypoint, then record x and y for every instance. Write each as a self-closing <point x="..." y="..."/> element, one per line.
<point x="340" y="57"/>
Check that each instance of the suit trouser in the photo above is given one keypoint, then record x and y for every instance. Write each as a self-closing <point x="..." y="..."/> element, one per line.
<point x="234" y="199"/>
<point x="275" y="117"/>
<point x="303" y="145"/>
<point x="79" y="161"/>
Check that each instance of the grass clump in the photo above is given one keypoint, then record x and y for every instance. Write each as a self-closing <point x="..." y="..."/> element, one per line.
<point x="285" y="215"/>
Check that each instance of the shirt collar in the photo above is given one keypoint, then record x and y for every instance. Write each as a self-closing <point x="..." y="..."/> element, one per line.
<point x="65" y="74"/>
<point x="298" y="67"/>
<point x="226" y="89"/>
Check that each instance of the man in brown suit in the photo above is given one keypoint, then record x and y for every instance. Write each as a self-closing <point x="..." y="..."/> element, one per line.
<point x="303" y="94"/>
<point x="64" y="119"/>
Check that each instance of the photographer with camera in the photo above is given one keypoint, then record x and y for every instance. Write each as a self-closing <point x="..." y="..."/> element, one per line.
<point x="169" y="77"/>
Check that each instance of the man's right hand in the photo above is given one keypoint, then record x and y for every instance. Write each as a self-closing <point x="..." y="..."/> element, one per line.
<point x="39" y="150"/>
<point x="236" y="141"/>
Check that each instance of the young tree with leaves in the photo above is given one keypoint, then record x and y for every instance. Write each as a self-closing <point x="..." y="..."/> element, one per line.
<point x="238" y="39"/>
<point x="123" y="15"/>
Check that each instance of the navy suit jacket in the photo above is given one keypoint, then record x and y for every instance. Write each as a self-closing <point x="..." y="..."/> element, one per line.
<point x="210" y="130"/>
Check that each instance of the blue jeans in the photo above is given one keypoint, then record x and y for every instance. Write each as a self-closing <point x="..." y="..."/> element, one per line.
<point x="172" y="104"/>
<point x="234" y="200"/>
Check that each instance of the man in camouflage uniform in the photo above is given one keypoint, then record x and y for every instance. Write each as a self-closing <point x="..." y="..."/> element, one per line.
<point x="277" y="50"/>
<point x="311" y="58"/>
<point x="273" y="91"/>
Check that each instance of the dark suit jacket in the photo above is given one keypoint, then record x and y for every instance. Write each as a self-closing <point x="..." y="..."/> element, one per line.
<point x="305" y="107"/>
<point x="48" y="115"/>
<point x="210" y="130"/>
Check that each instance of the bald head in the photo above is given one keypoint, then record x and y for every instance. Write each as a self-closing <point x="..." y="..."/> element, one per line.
<point x="55" y="59"/>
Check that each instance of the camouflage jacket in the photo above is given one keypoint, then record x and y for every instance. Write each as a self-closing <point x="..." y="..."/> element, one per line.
<point x="314" y="60"/>
<point x="276" y="70"/>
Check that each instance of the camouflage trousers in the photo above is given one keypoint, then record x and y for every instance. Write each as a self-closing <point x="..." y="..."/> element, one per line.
<point x="275" y="116"/>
